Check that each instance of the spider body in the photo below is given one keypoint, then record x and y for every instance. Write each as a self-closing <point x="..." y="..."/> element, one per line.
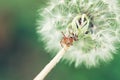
<point x="68" y="40"/>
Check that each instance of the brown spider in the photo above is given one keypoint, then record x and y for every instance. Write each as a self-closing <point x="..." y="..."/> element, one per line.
<point x="68" y="40"/>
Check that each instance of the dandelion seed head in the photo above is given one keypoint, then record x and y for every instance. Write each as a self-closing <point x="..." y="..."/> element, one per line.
<point x="99" y="30"/>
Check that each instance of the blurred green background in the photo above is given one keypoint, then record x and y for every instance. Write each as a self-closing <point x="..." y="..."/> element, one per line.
<point x="22" y="56"/>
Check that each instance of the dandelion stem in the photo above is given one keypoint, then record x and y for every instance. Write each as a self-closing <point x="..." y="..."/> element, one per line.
<point x="51" y="64"/>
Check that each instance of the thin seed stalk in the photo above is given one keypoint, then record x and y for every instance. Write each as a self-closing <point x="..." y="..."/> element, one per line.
<point x="51" y="64"/>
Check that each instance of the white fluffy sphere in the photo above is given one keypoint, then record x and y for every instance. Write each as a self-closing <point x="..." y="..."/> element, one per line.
<point x="91" y="49"/>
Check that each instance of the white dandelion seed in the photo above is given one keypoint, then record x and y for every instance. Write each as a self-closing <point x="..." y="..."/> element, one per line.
<point x="95" y="22"/>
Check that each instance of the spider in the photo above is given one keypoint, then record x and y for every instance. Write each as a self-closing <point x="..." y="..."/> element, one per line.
<point x="68" y="40"/>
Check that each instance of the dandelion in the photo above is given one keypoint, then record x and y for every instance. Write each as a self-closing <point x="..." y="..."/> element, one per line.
<point x="91" y="27"/>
